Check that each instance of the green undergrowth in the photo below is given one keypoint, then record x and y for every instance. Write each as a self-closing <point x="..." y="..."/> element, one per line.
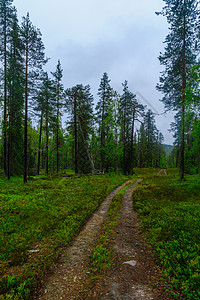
<point x="146" y="172"/>
<point x="101" y="257"/>
<point x="38" y="219"/>
<point x="170" y="213"/>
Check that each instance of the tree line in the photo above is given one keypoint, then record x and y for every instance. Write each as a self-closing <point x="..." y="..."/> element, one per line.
<point x="103" y="139"/>
<point x="179" y="82"/>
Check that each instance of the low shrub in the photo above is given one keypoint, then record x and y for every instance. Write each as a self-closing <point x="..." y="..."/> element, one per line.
<point x="170" y="212"/>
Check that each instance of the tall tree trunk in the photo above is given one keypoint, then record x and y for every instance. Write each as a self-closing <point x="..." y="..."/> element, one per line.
<point x="52" y="164"/>
<point x="39" y="146"/>
<point x="26" y="115"/>
<point x="102" y="139"/>
<point x="35" y="162"/>
<point x="9" y="145"/>
<point x="116" y="155"/>
<point x="57" y="146"/>
<point x="139" y="151"/>
<point x="5" y="93"/>
<point x="102" y="151"/>
<point x="47" y="139"/>
<point x="75" y="135"/>
<point x="183" y="103"/>
<point x="57" y="129"/>
<point x="132" y="132"/>
<point x="42" y="157"/>
<point x="124" y="145"/>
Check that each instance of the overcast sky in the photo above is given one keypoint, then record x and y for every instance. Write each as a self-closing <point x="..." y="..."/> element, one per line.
<point x="90" y="37"/>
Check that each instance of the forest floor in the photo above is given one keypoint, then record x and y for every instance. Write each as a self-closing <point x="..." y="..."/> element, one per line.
<point x="62" y="238"/>
<point x="133" y="273"/>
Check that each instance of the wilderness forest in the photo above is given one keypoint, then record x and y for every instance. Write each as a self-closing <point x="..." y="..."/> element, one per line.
<point x="62" y="153"/>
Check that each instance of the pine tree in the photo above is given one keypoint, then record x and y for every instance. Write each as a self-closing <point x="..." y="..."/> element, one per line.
<point x="112" y="147"/>
<point x="39" y="109"/>
<point x="129" y="111"/>
<point x="150" y="136"/>
<point x="79" y="102"/>
<point x="59" y="102"/>
<point x="34" y="61"/>
<point x="45" y="106"/>
<point x="141" y="146"/>
<point x="137" y="114"/>
<point x="192" y="118"/>
<point x="179" y="56"/>
<point x="6" y="14"/>
<point x="15" y="80"/>
<point x="71" y="104"/>
<point x="104" y="93"/>
<point x="125" y="120"/>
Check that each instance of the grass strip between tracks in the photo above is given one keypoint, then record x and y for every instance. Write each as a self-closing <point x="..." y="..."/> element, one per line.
<point x="101" y="257"/>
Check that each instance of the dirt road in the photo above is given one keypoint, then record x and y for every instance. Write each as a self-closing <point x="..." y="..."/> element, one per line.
<point x="69" y="275"/>
<point x="134" y="274"/>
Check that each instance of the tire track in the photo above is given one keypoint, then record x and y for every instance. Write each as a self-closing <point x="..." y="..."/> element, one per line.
<point x="70" y="273"/>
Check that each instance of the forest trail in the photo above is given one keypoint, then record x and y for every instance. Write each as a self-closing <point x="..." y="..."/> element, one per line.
<point x="70" y="273"/>
<point x="132" y="276"/>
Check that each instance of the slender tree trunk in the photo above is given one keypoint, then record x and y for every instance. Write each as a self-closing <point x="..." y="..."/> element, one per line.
<point x="26" y="115"/>
<point x="57" y="129"/>
<point x="39" y="146"/>
<point x="132" y="132"/>
<point x="52" y="164"/>
<point x="140" y="151"/>
<point x="57" y="147"/>
<point x="35" y="162"/>
<point x="75" y="135"/>
<point x="102" y="139"/>
<point x="183" y="105"/>
<point x="102" y="151"/>
<point x="47" y="139"/>
<point x="116" y="155"/>
<point x="5" y="93"/>
<point x="73" y="158"/>
<point x="9" y="145"/>
<point x="124" y="145"/>
<point x="42" y="157"/>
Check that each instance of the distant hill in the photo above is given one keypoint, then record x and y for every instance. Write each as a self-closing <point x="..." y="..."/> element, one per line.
<point x="168" y="149"/>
